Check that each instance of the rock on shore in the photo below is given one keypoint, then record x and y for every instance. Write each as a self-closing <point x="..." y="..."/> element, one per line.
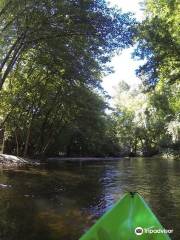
<point x="10" y="160"/>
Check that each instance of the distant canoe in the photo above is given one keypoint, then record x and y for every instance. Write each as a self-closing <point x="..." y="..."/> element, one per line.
<point x="129" y="219"/>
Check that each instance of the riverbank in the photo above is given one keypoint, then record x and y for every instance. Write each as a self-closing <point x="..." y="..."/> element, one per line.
<point x="14" y="161"/>
<point x="81" y="159"/>
<point x="7" y="160"/>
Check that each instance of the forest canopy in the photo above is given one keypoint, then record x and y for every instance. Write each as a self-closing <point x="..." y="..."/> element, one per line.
<point x="53" y="56"/>
<point x="148" y="119"/>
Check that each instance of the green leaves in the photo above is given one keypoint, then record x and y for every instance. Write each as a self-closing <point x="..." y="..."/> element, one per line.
<point x="78" y="37"/>
<point x="159" y="42"/>
<point x="53" y="54"/>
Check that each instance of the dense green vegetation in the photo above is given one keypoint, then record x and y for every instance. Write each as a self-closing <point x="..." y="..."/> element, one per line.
<point x="53" y="56"/>
<point x="149" y="121"/>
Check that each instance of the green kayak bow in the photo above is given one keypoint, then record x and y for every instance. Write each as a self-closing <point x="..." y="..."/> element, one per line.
<point x="129" y="219"/>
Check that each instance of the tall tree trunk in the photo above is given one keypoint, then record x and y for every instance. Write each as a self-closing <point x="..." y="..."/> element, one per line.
<point x="17" y="143"/>
<point x="3" y="141"/>
<point x="12" y="56"/>
<point x="28" y="138"/>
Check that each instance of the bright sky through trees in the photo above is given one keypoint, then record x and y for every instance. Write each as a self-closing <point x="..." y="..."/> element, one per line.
<point x="124" y="66"/>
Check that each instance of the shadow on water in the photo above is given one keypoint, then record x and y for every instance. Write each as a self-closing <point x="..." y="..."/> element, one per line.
<point x="61" y="202"/>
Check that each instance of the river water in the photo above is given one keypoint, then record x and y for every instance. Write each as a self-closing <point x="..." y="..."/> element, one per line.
<point x="61" y="201"/>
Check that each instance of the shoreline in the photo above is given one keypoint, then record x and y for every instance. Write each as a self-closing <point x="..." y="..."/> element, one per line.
<point x="7" y="160"/>
<point x="82" y="159"/>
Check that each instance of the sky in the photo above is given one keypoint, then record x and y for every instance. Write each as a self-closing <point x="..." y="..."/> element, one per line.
<point x="123" y="64"/>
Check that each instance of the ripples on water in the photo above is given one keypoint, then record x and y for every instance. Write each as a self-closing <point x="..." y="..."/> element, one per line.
<point x="61" y="202"/>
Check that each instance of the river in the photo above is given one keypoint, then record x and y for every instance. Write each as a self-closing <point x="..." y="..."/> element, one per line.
<point x="61" y="201"/>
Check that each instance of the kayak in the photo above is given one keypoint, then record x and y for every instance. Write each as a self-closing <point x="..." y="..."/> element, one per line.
<point x="129" y="219"/>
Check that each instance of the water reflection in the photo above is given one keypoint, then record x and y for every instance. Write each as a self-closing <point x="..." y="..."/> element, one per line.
<point x="60" y="202"/>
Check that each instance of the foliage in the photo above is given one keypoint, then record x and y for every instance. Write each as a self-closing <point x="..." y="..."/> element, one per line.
<point x="52" y="117"/>
<point x="53" y="56"/>
<point x="159" y="43"/>
<point x="139" y="127"/>
<point x="148" y="120"/>
<point x="78" y="36"/>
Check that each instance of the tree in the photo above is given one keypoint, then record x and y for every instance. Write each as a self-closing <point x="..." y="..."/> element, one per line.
<point x="159" y="43"/>
<point x="141" y="120"/>
<point x="54" y="54"/>
<point x="81" y="32"/>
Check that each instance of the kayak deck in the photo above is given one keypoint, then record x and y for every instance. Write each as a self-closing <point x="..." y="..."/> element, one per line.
<point x="120" y="222"/>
